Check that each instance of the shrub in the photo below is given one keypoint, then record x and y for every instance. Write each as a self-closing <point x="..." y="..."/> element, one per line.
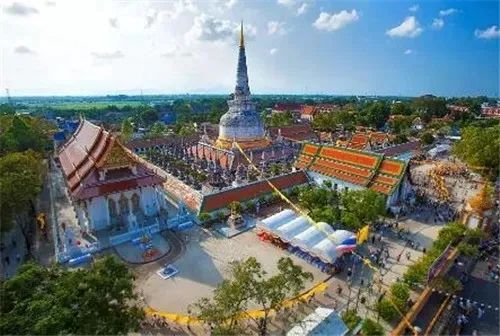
<point x="350" y="318"/>
<point x="204" y="217"/>
<point x="400" y="293"/>
<point x="372" y="328"/>
<point x="386" y="310"/>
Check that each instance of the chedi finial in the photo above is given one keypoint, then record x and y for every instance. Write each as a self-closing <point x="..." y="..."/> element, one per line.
<point x="242" y="37"/>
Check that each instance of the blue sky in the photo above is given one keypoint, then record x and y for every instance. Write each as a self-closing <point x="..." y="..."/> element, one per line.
<point x="394" y="47"/>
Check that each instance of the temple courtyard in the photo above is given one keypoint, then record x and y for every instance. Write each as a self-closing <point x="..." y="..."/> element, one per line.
<point x="204" y="264"/>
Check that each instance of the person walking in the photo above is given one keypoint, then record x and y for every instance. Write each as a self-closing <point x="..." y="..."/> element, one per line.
<point x="480" y="311"/>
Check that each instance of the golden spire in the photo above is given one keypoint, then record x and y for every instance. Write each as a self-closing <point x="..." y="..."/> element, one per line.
<point x="242" y="38"/>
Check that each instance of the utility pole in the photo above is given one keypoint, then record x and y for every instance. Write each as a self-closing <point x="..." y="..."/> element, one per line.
<point x="9" y="99"/>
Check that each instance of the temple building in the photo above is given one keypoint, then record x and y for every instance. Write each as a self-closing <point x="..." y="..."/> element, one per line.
<point x="110" y="186"/>
<point x="349" y="169"/>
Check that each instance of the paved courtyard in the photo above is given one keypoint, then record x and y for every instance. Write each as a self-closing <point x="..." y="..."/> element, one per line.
<point x="205" y="264"/>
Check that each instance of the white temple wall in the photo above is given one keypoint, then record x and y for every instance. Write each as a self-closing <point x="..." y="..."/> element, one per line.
<point x="98" y="213"/>
<point x="150" y="201"/>
<point x="341" y="185"/>
<point x="80" y="215"/>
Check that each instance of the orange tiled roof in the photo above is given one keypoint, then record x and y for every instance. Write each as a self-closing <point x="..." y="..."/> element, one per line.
<point x="308" y="109"/>
<point x="367" y="169"/>
<point x="352" y="157"/>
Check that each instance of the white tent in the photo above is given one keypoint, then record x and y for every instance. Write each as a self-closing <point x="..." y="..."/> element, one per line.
<point x="319" y="240"/>
<point x="291" y="229"/>
<point x="276" y="220"/>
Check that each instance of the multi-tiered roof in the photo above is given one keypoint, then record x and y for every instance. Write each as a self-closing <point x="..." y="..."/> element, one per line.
<point x="95" y="163"/>
<point x="365" y="169"/>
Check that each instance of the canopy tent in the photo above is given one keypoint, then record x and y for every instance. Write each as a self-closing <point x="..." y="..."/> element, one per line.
<point x="318" y="240"/>
<point x="323" y="321"/>
<point x="289" y="230"/>
<point x="274" y="221"/>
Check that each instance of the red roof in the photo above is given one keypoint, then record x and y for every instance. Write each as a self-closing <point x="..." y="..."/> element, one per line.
<point x="308" y="110"/>
<point x="401" y="148"/>
<point x="87" y="151"/>
<point x="298" y="132"/>
<point x="287" y="107"/>
<point x="491" y="111"/>
<point x="361" y="168"/>
<point x="250" y="191"/>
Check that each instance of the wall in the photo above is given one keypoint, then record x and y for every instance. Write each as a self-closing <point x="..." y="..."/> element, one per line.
<point x="98" y="213"/>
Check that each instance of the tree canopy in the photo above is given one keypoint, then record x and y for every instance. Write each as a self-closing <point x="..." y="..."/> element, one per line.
<point x="249" y="284"/>
<point x="127" y="129"/>
<point x="21" y="178"/>
<point x="49" y="301"/>
<point x="21" y="133"/>
<point x="360" y="207"/>
<point x="479" y="148"/>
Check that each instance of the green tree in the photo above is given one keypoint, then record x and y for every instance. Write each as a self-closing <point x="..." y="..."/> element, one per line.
<point x="350" y="318"/>
<point x="479" y="148"/>
<point x="372" y="328"/>
<point x="127" y="129"/>
<point x="157" y="130"/>
<point x="21" y="178"/>
<point x="400" y="293"/>
<point x="275" y="169"/>
<point x="386" y="310"/>
<point x="250" y="285"/>
<point x="23" y="133"/>
<point x="235" y="207"/>
<point x="402" y="108"/>
<point x="7" y="109"/>
<point x="49" y="301"/>
<point x="204" y="217"/>
<point x="186" y="130"/>
<point x="427" y="138"/>
<point x="375" y="114"/>
<point x="361" y="207"/>
<point x="270" y="293"/>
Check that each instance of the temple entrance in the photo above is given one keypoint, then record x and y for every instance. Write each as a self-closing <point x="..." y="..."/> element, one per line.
<point x="136" y="204"/>
<point x="123" y="203"/>
<point x="112" y="208"/>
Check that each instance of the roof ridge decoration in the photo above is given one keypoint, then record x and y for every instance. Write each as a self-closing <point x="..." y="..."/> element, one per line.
<point x="116" y="155"/>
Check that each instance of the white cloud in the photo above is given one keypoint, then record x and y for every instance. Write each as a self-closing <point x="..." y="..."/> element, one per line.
<point x="409" y="28"/>
<point x="302" y="9"/>
<point x="17" y="8"/>
<point x="113" y="22"/>
<point x="22" y="49"/>
<point x="335" y="21"/>
<point x="288" y="3"/>
<point x="175" y="9"/>
<point x="276" y="28"/>
<point x="489" y="33"/>
<point x="50" y="3"/>
<point x="176" y="52"/>
<point x="107" y="55"/>
<point x="273" y="51"/>
<point x="437" y="23"/>
<point x="414" y="8"/>
<point x="446" y="12"/>
<point x="208" y="28"/>
<point x="408" y="52"/>
<point x="230" y="3"/>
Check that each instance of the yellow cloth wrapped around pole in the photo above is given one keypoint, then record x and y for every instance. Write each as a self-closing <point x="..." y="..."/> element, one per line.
<point x="362" y="234"/>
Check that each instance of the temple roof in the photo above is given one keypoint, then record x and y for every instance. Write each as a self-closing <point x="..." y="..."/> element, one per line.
<point x="251" y="191"/>
<point x="92" y="148"/>
<point x="366" y="169"/>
